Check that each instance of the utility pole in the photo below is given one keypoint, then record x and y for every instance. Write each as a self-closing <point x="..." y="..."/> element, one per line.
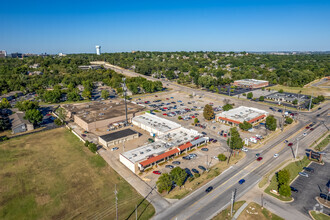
<point x="125" y="91"/>
<point x="116" y="201"/>
<point x="310" y="103"/>
<point x="296" y="155"/>
<point x="232" y="204"/>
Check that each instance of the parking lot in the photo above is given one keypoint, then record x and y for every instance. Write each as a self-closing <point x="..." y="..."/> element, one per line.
<point x="310" y="187"/>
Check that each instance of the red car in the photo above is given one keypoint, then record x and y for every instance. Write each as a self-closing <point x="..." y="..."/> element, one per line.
<point x="311" y="129"/>
<point x="290" y="144"/>
<point x="157" y="172"/>
<point x="156" y="95"/>
<point x="48" y="114"/>
<point x="307" y="127"/>
<point x="164" y="114"/>
<point x="193" y="116"/>
<point x="259" y="158"/>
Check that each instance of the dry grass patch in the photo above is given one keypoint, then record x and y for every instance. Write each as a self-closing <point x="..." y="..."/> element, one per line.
<point x="51" y="175"/>
<point x="255" y="212"/>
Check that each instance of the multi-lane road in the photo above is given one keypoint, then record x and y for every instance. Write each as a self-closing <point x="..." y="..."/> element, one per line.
<point x="201" y="205"/>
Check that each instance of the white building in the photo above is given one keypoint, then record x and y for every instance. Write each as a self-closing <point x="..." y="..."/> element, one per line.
<point x="171" y="140"/>
<point x="239" y="115"/>
<point x="154" y="124"/>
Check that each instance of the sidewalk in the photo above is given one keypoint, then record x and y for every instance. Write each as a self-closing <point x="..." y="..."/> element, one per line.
<point x="143" y="188"/>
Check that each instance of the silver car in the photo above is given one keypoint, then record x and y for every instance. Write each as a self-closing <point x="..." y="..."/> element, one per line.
<point x="303" y="174"/>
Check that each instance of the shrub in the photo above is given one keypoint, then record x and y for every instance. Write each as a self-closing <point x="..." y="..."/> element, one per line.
<point x="87" y="143"/>
<point x="196" y="175"/>
<point x="92" y="147"/>
<point x="222" y="157"/>
<point x="288" y="120"/>
<point x="58" y="122"/>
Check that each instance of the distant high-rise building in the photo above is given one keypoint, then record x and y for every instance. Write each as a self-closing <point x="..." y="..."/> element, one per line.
<point x="98" y="50"/>
<point x="17" y="55"/>
<point x="3" y="53"/>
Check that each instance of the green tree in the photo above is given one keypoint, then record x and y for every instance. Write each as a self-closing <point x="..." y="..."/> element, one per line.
<point x="178" y="175"/>
<point x="61" y="112"/>
<point x="235" y="141"/>
<point x="34" y="116"/>
<point x="261" y="98"/>
<point x="288" y="120"/>
<point x="283" y="177"/>
<point x="87" y="94"/>
<point x="27" y="105"/>
<point x="281" y="91"/>
<point x="73" y="96"/>
<point x="164" y="182"/>
<point x="245" y="126"/>
<point x="92" y="147"/>
<point x="4" y="103"/>
<point x="295" y="102"/>
<point x="227" y="107"/>
<point x="58" y="122"/>
<point x="271" y="123"/>
<point x="250" y="95"/>
<point x="284" y="190"/>
<point x="208" y="112"/>
<point x="222" y="157"/>
<point x="4" y="123"/>
<point x="105" y="94"/>
<point x="196" y="120"/>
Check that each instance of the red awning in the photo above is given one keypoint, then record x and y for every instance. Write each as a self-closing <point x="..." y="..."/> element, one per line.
<point x="159" y="157"/>
<point x="185" y="146"/>
<point x="257" y="118"/>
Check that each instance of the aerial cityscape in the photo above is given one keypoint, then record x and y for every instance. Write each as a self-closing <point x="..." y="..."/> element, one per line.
<point x="165" y="110"/>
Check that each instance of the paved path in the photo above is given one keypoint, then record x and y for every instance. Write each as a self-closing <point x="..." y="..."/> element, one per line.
<point x="240" y="210"/>
<point x="142" y="187"/>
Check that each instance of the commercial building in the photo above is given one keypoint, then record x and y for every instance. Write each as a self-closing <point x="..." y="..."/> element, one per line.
<point x="154" y="124"/>
<point x="118" y="137"/>
<point x="239" y="115"/>
<point x="171" y="140"/>
<point x="94" y="115"/>
<point x="287" y="97"/>
<point x="251" y="83"/>
<point x="19" y="124"/>
<point x="3" y="53"/>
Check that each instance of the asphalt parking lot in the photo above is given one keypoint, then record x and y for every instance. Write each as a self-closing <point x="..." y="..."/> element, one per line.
<point x="311" y="187"/>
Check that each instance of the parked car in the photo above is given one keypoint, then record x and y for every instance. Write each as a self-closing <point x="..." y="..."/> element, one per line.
<point x="188" y="172"/>
<point x="205" y="149"/>
<point x="293" y="189"/>
<point x="259" y="158"/>
<point x="176" y="162"/>
<point x="194" y="170"/>
<point x="215" y="141"/>
<point x="186" y="158"/>
<point x="169" y="166"/>
<point x="241" y="181"/>
<point x="303" y="174"/>
<point x="202" y="168"/>
<point x="312" y="129"/>
<point x="286" y="141"/>
<point x="156" y="172"/>
<point x="84" y="135"/>
<point x="276" y="155"/>
<point x="257" y="155"/>
<point x="215" y="157"/>
<point x="324" y="196"/>
<point x="304" y="134"/>
<point x="209" y="189"/>
<point x="245" y="149"/>
<point x="309" y="169"/>
<point x="114" y="148"/>
<point x="290" y="144"/>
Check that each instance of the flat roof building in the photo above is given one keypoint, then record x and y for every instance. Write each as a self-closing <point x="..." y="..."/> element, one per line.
<point x="94" y="115"/>
<point x="251" y="83"/>
<point x="118" y="137"/>
<point x="287" y="97"/>
<point x="154" y="124"/>
<point x="239" y="115"/>
<point x="171" y="140"/>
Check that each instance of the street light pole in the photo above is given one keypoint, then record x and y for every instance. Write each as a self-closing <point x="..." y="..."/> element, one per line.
<point x="296" y="155"/>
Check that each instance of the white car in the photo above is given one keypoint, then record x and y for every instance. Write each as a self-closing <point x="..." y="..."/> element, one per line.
<point x="245" y="149"/>
<point x="304" y="134"/>
<point x="215" y="157"/>
<point x="276" y="155"/>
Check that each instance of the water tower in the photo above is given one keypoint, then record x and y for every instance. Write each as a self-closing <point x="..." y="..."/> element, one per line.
<point x="98" y="50"/>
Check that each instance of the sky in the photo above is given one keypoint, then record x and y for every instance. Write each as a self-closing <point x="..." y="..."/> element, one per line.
<point x="72" y="26"/>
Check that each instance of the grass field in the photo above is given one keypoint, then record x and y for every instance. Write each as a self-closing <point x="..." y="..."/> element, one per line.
<point x="315" y="91"/>
<point x="254" y="212"/>
<point x="323" y="144"/>
<point x="225" y="214"/>
<point x="294" y="168"/>
<point x="51" y="175"/>
<point x="319" y="216"/>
